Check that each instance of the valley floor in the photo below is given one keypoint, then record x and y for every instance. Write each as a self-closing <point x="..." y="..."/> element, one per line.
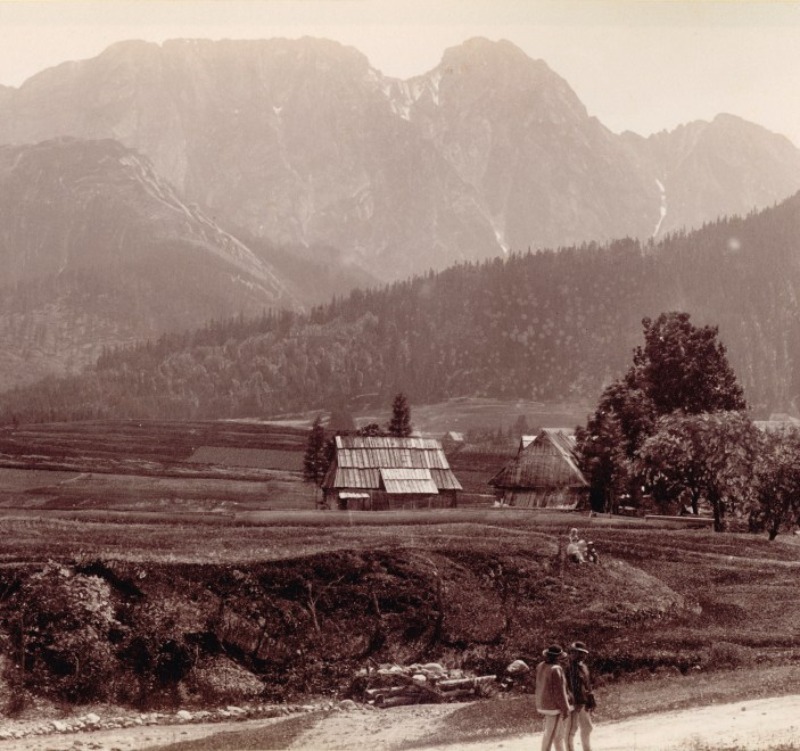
<point x="754" y="725"/>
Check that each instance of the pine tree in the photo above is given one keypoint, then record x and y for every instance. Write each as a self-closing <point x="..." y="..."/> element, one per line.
<point x="315" y="461"/>
<point x="400" y="425"/>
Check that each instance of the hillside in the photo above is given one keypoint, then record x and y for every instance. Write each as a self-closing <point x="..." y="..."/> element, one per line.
<point x="543" y="327"/>
<point x="302" y="143"/>
<point x="97" y="251"/>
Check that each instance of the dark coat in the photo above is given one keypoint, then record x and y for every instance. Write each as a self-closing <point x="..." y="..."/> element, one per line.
<point x="580" y="683"/>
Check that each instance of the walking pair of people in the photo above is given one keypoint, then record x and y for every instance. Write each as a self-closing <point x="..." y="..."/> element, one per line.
<point x="565" y="698"/>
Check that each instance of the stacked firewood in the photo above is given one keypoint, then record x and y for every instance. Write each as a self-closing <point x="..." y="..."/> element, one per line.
<point x="393" y="685"/>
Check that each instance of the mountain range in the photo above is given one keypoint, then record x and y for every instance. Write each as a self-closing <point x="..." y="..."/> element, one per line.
<point x="157" y="186"/>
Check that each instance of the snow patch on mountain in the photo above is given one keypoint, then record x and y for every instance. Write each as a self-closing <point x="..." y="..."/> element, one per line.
<point x="403" y="95"/>
<point x="500" y="236"/>
<point x="663" y="208"/>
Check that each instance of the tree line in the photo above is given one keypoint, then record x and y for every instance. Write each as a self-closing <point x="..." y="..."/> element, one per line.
<point x="546" y="326"/>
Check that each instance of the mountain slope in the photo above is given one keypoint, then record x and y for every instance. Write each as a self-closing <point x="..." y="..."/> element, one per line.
<point x="725" y="167"/>
<point x="548" y="327"/>
<point x="549" y="174"/>
<point x="97" y="250"/>
<point x="303" y="143"/>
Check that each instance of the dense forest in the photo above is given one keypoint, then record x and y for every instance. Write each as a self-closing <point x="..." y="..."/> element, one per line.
<point x="553" y="325"/>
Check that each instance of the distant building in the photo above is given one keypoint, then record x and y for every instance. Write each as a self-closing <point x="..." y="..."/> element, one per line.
<point x="380" y="473"/>
<point x="778" y="423"/>
<point x="543" y="474"/>
<point x="452" y="441"/>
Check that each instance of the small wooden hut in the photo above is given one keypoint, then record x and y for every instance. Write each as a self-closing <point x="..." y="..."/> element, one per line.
<point x="778" y="423"/>
<point x="543" y="474"/>
<point x="378" y="473"/>
<point x="453" y="441"/>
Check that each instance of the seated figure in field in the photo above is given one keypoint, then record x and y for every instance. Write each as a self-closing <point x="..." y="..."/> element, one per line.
<point x="576" y="547"/>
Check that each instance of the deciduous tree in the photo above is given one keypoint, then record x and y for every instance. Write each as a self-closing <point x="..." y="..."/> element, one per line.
<point x="777" y="482"/>
<point x="708" y="456"/>
<point x="681" y="369"/>
<point x="685" y="367"/>
<point x="604" y="461"/>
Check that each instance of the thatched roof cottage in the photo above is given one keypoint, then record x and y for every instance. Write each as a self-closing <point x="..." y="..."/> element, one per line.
<point x="543" y="474"/>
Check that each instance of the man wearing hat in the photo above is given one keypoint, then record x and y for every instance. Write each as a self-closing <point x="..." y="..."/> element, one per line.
<point x="580" y="688"/>
<point x="552" y="699"/>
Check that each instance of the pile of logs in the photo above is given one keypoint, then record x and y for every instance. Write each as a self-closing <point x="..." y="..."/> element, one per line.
<point x="393" y="685"/>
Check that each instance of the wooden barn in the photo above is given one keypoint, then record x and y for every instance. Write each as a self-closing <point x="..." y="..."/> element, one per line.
<point x="380" y="473"/>
<point x="543" y="474"/>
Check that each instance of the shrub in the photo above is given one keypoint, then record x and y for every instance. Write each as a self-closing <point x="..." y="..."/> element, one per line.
<point x="723" y="654"/>
<point x="157" y="656"/>
<point x="13" y="694"/>
<point x="59" y="626"/>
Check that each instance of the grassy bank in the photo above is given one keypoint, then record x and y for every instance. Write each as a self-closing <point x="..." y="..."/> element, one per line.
<point x="473" y="588"/>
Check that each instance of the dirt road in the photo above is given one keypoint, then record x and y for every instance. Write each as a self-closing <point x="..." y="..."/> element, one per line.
<point x="754" y="725"/>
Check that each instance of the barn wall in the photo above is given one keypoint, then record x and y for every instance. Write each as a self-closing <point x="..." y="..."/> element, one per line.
<point x="552" y="498"/>
<point x="382" y="501"/>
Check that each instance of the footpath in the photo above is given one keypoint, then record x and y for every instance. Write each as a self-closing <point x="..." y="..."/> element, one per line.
<point x="752" y="725"/>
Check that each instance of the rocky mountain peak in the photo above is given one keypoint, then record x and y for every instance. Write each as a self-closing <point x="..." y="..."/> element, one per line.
<point x="302" y="142"/>
<point x="487" y="54"/>
<point x="720" y="167"/>
<point x="491" y="75"/>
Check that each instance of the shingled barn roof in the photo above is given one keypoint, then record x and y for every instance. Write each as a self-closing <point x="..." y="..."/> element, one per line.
<point x="397" y="465"/>
<point x="549" y="461"/>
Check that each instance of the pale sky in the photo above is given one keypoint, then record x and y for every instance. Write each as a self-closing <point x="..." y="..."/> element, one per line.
<point x="641" y="65"/>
